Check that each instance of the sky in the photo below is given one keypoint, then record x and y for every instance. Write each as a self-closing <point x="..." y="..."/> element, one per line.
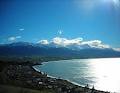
<point x="35" y="20"/>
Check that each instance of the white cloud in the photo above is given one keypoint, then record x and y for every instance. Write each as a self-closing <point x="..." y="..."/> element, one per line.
<point x="96" y="44"/>
<point x="58" y="40"/>
<point x="76" y="43"/>
<point x="21" y="29"/>
<point x="117" y="49"/>
<point x="13" y="38"/>
<point x="44" y="42"/>
<point x="65" y="41"/>
<point x="18" y="36"/>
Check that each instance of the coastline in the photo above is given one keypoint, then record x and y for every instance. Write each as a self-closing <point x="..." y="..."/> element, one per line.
<point x="100" y="85"/>
<point x="58" y="78"/>
<point x="24" y="75"/>
<point x="74" y="83"/>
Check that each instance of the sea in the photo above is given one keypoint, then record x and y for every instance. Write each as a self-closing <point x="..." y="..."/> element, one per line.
<point x="102" y="73"/>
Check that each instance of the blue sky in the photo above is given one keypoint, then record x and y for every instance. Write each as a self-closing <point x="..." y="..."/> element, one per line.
<point x="33" y="20"/>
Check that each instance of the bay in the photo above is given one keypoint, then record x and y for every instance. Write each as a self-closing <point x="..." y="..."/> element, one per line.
<point x="103" y="73"/>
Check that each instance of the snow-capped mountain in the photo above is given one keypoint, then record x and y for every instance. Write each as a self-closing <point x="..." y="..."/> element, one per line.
<point x="52" y="49"/>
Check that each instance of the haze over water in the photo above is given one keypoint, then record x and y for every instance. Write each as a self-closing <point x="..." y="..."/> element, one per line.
<point x="103" y="73"/>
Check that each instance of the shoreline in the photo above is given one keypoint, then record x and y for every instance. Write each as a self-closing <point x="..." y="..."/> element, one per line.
<point x="24" y="75"/>
<point x="101" y="88"/>
<point x="74" y="83"/>
<point x="60" y="78"/>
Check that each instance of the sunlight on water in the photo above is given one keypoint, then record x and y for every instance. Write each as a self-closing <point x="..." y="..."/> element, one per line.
<point x="103" y="73"/>
<point x="107" y="73"/>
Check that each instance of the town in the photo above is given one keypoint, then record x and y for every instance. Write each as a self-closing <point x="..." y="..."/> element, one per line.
<point x="25" y="75"/>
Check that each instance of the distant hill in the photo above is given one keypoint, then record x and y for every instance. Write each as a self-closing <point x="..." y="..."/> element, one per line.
<point x="30" y="49"/>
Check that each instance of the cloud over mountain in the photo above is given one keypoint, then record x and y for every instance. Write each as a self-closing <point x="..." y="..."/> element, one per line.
<point x="44" y="42"/>
<point x="96" y="44"/>
<point x="65" y="41"/>
<point x="60" y="47"/>
<point x="76" y="43"/>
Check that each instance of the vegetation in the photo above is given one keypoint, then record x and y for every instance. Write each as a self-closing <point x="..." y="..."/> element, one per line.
<point x="15" y="89"/>
<point x="30" y="59"/>
<point x="18" y="76"/>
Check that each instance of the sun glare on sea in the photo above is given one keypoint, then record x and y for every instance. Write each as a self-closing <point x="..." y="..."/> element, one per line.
<point x="107" y="73"/>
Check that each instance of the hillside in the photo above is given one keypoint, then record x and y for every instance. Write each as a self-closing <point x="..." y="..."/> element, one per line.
<point x="29" y="49"/>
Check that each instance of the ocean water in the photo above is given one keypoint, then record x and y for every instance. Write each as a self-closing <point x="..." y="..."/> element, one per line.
<point x="103" y="73"/>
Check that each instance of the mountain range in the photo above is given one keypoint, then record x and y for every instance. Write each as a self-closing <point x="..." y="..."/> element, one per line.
<point x="81" y="51"/>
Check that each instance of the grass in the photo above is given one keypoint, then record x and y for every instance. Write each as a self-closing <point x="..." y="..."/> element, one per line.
<point x="14" y="89"/>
